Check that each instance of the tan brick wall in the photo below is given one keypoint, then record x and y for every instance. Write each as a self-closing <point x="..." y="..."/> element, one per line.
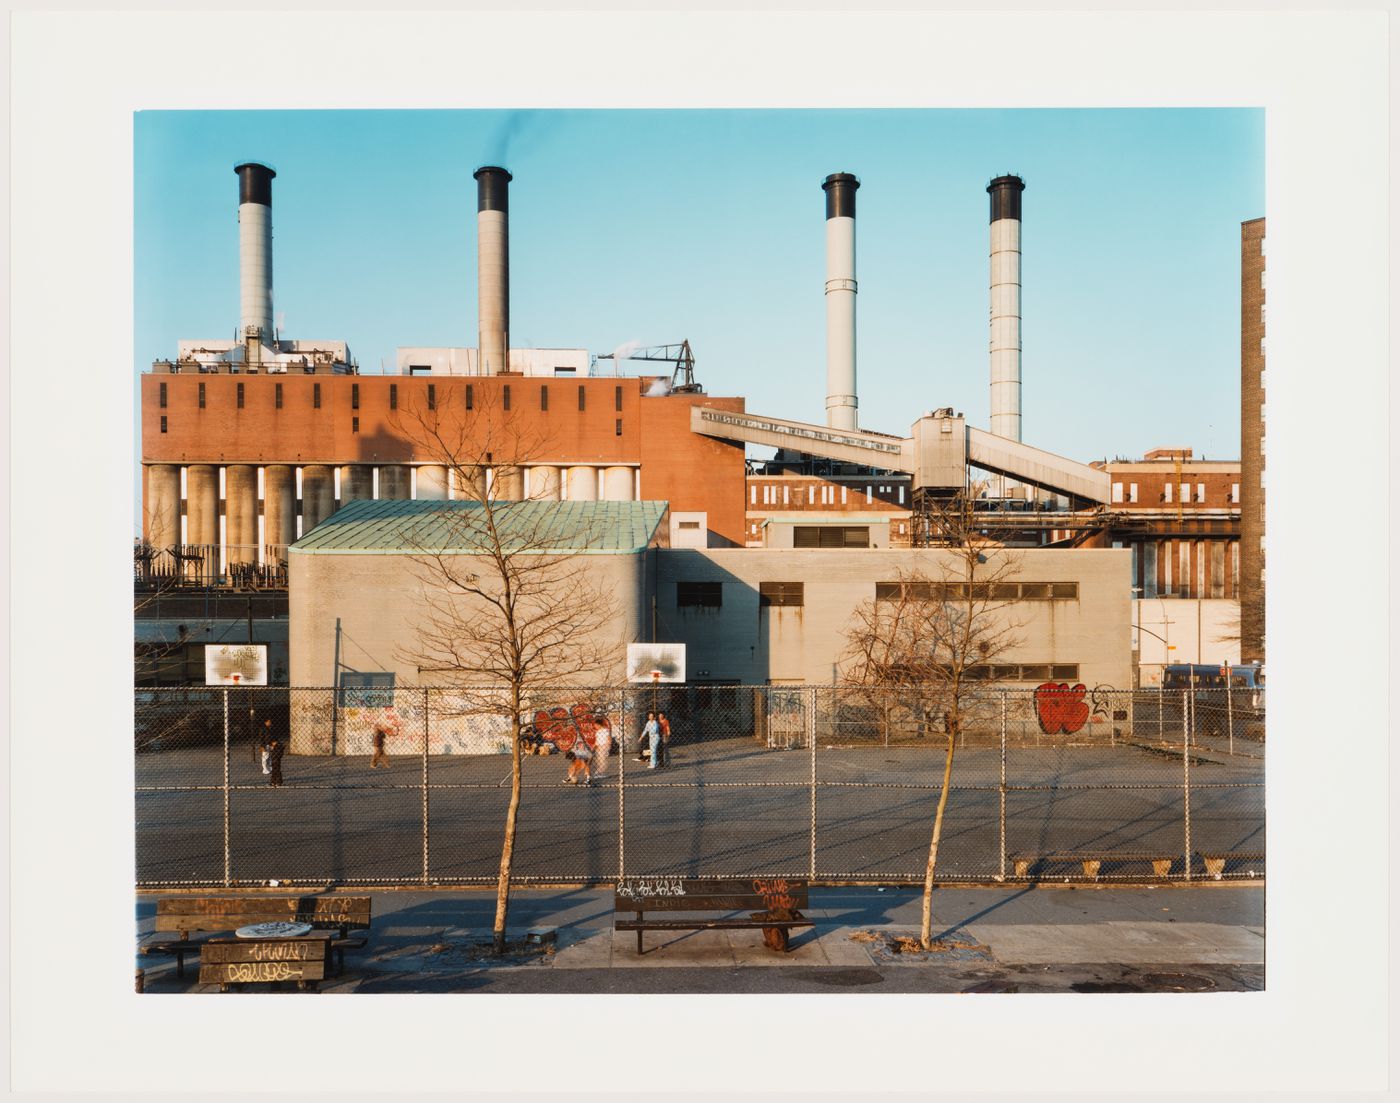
<point x="1252" y="426"/>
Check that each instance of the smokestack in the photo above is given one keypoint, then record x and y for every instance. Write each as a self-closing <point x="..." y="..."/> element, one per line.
<point x="1006" y="305"/>
<point x="840" y="188"/>
<point x="255" y="251"/>
<point x="492" y="270"/>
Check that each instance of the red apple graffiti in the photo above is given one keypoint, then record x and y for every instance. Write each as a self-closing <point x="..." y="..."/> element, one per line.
<point x="1060" y="708"/>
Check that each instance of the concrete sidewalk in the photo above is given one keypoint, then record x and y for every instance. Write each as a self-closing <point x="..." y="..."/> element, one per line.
<point x="1036" y="938"/>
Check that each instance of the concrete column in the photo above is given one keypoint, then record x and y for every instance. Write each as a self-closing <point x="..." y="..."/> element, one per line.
<point x="161" y="520"/>
<point x="317" y="495"/>
<point x="544" y="484"/>
<point x="432" y="483"/>
<point x="241" y="512"/>
<point x="583" y="484"/>
<point x="279" y="505"/>
<point x="393" y="481"/>
<point x="468" y="484"/>
<point x="356" y="482"/>
<point x="202" y="506"/>
<point x="507" y="484"/>
<point x="617" y="484"/>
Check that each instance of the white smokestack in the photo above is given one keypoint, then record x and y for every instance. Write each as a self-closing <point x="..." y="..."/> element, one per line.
<point x="492" y="270"/>
<point x="841" y="404"/>
<point x="255" y="250"/>
<point x="1006" y="305"/>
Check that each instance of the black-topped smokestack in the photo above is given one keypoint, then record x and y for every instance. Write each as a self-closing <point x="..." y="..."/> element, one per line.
<point x="1006" y="305"/>
<point x="255" y="255"/>
<point x="492" y="269"/>
<point x="840" y="188"/>
<point x="841" y="402"/>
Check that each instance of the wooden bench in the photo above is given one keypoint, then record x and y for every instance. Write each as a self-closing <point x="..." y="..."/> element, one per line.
<point x="180" y="917"/>
<point x="1214" y="860"/>
<point x="776" y="901"/>
<point x="225" y="961"/>
<point x="1091" y="862"/>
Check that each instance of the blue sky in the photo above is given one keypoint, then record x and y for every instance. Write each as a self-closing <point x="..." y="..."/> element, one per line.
<point x="661" y="225"/>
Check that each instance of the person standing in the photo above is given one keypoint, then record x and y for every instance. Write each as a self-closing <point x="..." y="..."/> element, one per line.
<point x="380" y="756"/>
<point x="580" y="764"/>
<point x="649" y="730"/>
<point x="266" y="743"/>
<point x="665" y="726"/>
<point x="275" y="750"/>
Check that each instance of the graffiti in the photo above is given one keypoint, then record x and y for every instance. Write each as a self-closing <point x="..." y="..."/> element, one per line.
<point x="562" y="727"/>
<point x="641" y="890"/>
<point x="1101" y="703"/>
<point x="775" y="894"/>
<point x="1060" y="708"/>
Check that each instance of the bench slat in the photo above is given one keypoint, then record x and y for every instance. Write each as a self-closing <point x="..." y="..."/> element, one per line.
<point x="676" y="894"/>
<point x="704" y="925"/>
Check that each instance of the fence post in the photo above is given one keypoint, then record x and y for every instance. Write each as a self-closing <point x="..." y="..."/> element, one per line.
<point x="1230" y="714"/>
<point x="425" y="784"/>
<point x="621" y="783"/>
<point x="228" y="863"/>
<point x="1001" y="817"/>
<point x="811" y="726"/>
<point x="1186" y="772"/>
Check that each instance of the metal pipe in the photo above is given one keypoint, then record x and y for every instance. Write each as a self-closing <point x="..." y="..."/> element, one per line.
<point x="1001" y="857"/>
<point x="228" y="861"/>
<point x="492" y="269"/>
<point x="1005" y="338"/>
<point x="425" y="785"/>
<point x="841" y="402"/>
<point x="810" y="725"/>
<point x="1186" y="774"/>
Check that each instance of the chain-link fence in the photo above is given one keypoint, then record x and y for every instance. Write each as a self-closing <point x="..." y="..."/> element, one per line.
<point x="399" y="786"/>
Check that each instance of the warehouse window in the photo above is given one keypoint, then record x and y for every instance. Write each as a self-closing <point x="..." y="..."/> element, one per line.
<point x="470" y="396"/>
<point x="617" y="429"/>
<point x="201" y="396"/>
<point x="617" y="398"/>
<point x="1132" y="492"/>
<point x="581" y="392"/>
<point x="505" y="397"/>
<point x="354" y="396"/>
<point x="432" y="396"/>
<point x="354" y="425"/>
<point x="162" y="396"/>
<point x="316" y="395"/>
<point x="830" y="536"/>
<point x="240" y="396"/>
<point x="277" y="396"/>
<point x="1117" y="492"/>
<point x="162" y="423"/>
<point x="1235" y="493"/>
<point x="1167" y="493"/>
<point x="780" y="593"/>
<point x="1200" y="492"/>
<point x="393" y="396"/>
<point x="699" y="595"/>
<point x="753" y="494"/>
<point x="544" y="398"/>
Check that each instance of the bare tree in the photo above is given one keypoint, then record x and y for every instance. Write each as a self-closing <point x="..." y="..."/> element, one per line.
<point x="931" y="640"/>
<point x="507" y="608"/>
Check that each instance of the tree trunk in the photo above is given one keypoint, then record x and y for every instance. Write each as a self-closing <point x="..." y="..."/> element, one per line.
<point x="508" y="844"/>
<point x="926" y="928"/>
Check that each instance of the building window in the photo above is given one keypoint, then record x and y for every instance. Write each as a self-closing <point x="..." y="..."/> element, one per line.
<point x="1167" y="493"/>
<point x="316" y="396"/>
<point x="544" y="398"/>
<point x="432" y="396"/>
<point x="354" y="425"/>
<point x="162" y="423"/>
<point x="1117" y="492"/>
<point x="582" y="391"/>
<point x="699" y="595"/>
<point x="505" y="397"/>
<point x="240" y="396"/>
<point x="1235" y="493"/>
<point x="1200" y="493"/>
<point x="470" y="396"/>
<point x="1132" y="492"/>
<point x="162" y="396"/>
<point x="843" y="495"/>
<point x="1185" y="493"/>
<point x="354" y="396"/>
<point x="785" y="496"/>
<point x="901" y="497"/>
<point x="780" y="593"/>
<point x="830" y="536"/>
<point x="753" y="494"/>
<point x="811" y="494"/>
<point x="201" y="396"/>
<point x="366" y="690"/>
<point x="277" y="396"/>
<point x="617" y="427"/>
<point x="393" y="396"/>
<point x="617" y="399"/>
<point x="870" y="494"/>
<point x="690" y="525"/>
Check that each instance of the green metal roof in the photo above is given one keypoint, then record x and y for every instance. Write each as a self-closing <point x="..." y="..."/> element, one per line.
<point x="389" y="527"/>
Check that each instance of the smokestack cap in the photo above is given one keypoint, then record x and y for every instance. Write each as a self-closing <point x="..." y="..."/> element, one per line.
<point x="1006" y="197"/>
<point x="491" y="181"/>
<point x="254" y="183"/>
<point x="840" y="188"/>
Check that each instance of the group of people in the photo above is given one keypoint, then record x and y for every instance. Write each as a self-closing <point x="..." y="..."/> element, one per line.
<point x="654" y="746"/>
